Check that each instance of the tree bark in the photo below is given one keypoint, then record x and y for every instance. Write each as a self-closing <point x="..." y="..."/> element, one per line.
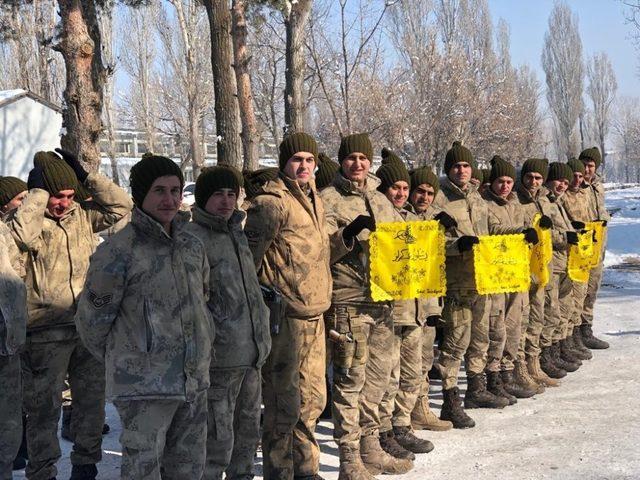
<point x="229" y="144"/>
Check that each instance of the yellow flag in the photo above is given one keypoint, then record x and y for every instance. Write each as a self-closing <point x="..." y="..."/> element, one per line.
<point x="501" y="264"/>
<point x="407" y="260"/>
<point x="599" y="240"/>
<point x="580" y="257"/>
<point x="541" y="254"/>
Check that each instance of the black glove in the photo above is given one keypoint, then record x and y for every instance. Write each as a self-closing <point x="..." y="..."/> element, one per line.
<point x="446" y="220"/>
<point x="466" y="243"/>
<point x="545" y="222"/>
<point x="354" y="228"/>
<point x="604" y="223"/>
<point x="36" y="178"/>
<point x="572" y="238"/>
<point x="73" y="162"/>
<point x="531" y="236"/>
<point x="578" y="225"/>
<point x="433" y="320"/>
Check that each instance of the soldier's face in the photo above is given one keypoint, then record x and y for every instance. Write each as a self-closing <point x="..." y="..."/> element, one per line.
<point x="502" y="186"/>
<point x="59" y="203"/>
<point x="558" y="187"/>
<point x="355" y="167"/>
<point x="300" y="167"/>
<point x="14" y="203"/>
<point x="460" y="174"/>
<point x="222" y="203"/>
<point x="422" y="196"/>
<point x="398" y="193"/>
<point x="163" y="199"/>
<point x="589" y="170"/>
<point x="577" y="180"/>
<point x="532" y="181"/>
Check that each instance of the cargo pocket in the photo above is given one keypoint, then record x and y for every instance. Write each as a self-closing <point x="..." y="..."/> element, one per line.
<point x="147" y="338"/>
<point x="220" y="414"/>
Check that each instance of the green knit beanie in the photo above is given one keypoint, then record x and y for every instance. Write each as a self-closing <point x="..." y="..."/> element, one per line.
<point x="326" y="172"/>
<point x="147" y="170"/>
<point x="294" y="143"/>
<point x="357" y="142"/>
<point x="486" y="175"/>
<point x="576" y="165"/>
<point x="216" y="178"/>
<point x="391" y="173"/>
<point x="537" y="165"/>
<point x="591" y="154"/>
<point x="254" y="181"/>
<point x="457" y="153"/>
<point x="424" y="175"/>
<point x="558" y="171"/>
<point x="389" y="156"/>
<point x="56" y="173"/>
<point x="501" y="168"/>
<point x="9" y="188"/>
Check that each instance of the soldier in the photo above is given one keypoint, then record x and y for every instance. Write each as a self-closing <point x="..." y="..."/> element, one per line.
<point x="143" y="313"/>
<point x="287" y="235"/>
<point x="465" y="312"/>
<point x="56" y="233"/>
<point x="241" y="318"/>
<point x="12" y="193"/>
<point x="364" y="328"/>
<point x="326" y="171"/>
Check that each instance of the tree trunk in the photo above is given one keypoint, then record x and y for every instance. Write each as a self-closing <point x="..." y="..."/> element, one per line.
<point x="80" y="46"/>
<point x="224" y="84"/>
<point x="295" y="24"/>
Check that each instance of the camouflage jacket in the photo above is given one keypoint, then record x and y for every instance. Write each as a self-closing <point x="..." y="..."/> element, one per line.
<point x="577" y="205"/>
<point x="235" y="300"/>
<point x="344" y="201"/>
<point x="58" y="251"/>
<point x="471" y="212"/>
<point x="596" y="191"/>
<point x="13" y="296"/>
<point x="561" y="225"/>
<point x="143" y="311"/>
<point x="505" y="214"/>
<point x="287" y="235"/>
<point x="532" y="204"/>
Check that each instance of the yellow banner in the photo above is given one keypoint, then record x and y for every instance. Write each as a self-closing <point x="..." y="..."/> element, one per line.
<point x="501" y="264"/>
<point x="599" y="241"/>
<point x="407" y="261"/>
<point x="580" y="257"/>
<point x="541" y="254"/>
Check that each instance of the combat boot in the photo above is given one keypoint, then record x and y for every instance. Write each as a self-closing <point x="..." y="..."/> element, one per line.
<point x="495" y="386"/>
<point x="405" y="437"/>
<point x="579" y="346"/>
<point x="84" y="472"/>
<point x="478" y="396"/>
<point x="452" y="409"/>
<point x="538" y="375"/>
<point x="589" y="340"/>
<point x="518" y="391"/>
<point x="548" y="366"/>
<point x="377" y="461"/>
<point x="567" y="354"/>
<point x="523" y="377"/>
<point x="351" y="466"/>
<point x="422" y="418"/>
<point x="390" y="444"/>
<point x="65" y="431"/>
<point x="575" y="350"/>
<point x="560" y="361"/>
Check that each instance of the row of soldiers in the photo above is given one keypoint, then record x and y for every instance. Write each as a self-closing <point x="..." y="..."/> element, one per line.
<point x="190" y="322"/>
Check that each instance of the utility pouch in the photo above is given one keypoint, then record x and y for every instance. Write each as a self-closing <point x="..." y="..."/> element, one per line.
<point x="275" y="302"/>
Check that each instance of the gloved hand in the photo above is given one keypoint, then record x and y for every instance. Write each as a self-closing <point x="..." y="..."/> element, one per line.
<point x="604" y="223"/>
<point x="531" y="236"/>
<point x="578" y="225"/>
<point x="433" y="320"/>
<point x="572" y="238"/>
<point x="36" y="178"/>
<point x="446" y="220"/>
<point x="73" y="162"/>
<point x="545" y="222"/>
<point x="466" y="243"/>
<point x="354" y="228"/>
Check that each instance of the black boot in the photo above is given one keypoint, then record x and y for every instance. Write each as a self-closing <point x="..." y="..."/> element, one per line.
<point x="478" y="396"/>
<point x="389" y="444"/>
<point x="407" y="440"/>
<point x="561" y="362"/>
<point x="495" y="386"/>
<point x="452" y="409"/>
<point x="84" y="472"/>
<point x="579" y="346"/>
<point x="567" y="354"/>
<point x="517" y="390"/>
<point x="548" y="366"/>
<point x="575" y="350"/>
<point x="589" y="340"/>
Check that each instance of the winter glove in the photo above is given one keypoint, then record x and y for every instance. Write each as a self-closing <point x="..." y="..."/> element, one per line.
<point x="466" y="243"/>
<point x="354" y="228"/>
<point x="446" y="220"/>
<point x="36" y="178"/>
<point x="578" y="225"/>
<point x="545" y="222"/>
<point x="433" y="320"/>
<point x="572" y="238"/>
<point x="531" y="236"/>
<point x="604" y="223"/>
<point x="73" y="162"/>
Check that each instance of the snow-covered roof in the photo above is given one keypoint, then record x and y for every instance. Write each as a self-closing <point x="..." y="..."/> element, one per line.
<point x="9" y="96"/>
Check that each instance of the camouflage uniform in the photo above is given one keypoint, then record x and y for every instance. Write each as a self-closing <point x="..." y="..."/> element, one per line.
<point x="13" y="322"/>
<point x="287" y="235"/>
<point x="143" y="313"/>
<point x="58" y="254"/>
<point x="241" y="346"/>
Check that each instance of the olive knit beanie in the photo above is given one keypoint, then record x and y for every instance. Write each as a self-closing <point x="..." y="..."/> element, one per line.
<point x="147" y="170"/>
<point x="558" y="171"/>
<point x="458" y="153"/>
<point x="254" y="181"/>
<point x="501" y="168"/>
<point x="424" y="175"/>
<point x="390" y="173"/>
<point x="357" y="142"/>
<point x="576" y="165"/>
<point x="326" y="172"/>
<point x="294" y="143"/>
<point x="591" y="154"/>
<point x="9" y="188"/>
<point x="216" y="178"/>
<point x="537" y="165"/>
<point x="57" y="175"/>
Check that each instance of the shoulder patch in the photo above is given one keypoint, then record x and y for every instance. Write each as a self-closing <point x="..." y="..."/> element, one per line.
<point x="99" y="301"/>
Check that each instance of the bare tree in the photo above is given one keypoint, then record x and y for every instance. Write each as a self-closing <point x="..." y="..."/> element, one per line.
<point x="627" y="129"/>
<point x="106" y="26"/>
<point x="602" y="90"/>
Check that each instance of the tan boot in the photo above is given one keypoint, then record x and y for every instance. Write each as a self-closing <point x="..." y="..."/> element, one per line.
<point x="523" y="377"/>
<point x="351" y="466"/>
<point x="422" y="418"/>
<point x="377" y="461"/>
<point x="533" y="366"/>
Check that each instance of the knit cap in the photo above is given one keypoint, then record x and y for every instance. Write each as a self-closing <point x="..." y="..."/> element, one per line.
<point x="57" y="175"/>
<point x="326" y="172"/>
<point x="253" y="181"/>
<point x="501" y="168"/>
<point x="147" y="170"/>
<point x="294" y="143"/>
<point x="537" y="165"/>
<point x="9" y="188"/>
<point x="591" y="154"/>
<point x="357" y="142"/>
<point x="390" y="173"/>
<point x="486" y="175"/>
<point x="216" y="178"/>
<point x="389" y="156"/>
<point x="457" y="153"/>
<point x="576" y="165"/>
<point x="424" y="175"/>
<point x="558" y="171"/>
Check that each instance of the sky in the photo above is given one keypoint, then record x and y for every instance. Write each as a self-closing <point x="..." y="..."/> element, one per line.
<point x="602" y="28"/>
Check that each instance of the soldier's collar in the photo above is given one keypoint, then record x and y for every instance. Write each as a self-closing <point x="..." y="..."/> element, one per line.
<point x="216" y="222"/>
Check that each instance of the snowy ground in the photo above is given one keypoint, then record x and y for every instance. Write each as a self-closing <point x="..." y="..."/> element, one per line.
<point x="589" y="428"/>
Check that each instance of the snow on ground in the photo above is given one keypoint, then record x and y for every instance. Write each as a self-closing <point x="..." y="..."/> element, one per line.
<point x="588" y="429"/>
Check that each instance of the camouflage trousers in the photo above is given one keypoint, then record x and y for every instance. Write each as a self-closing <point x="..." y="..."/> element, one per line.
<point x="595" y="278"/>
<point x="233" y="430"/>
<point x="428" y="340"/>
<point x="534" y="313"/>
<point x="406" y="378"/>
<point x="466" y="334"/>
<point x="10" y="412"/>
<point x="579" y="294"/>
<point x="505" y="331"/>
<point x="45" y="364"/>
<point x="558" y="308"/>
<point x="162" y="439"/>
<point x="294" y="395"/>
